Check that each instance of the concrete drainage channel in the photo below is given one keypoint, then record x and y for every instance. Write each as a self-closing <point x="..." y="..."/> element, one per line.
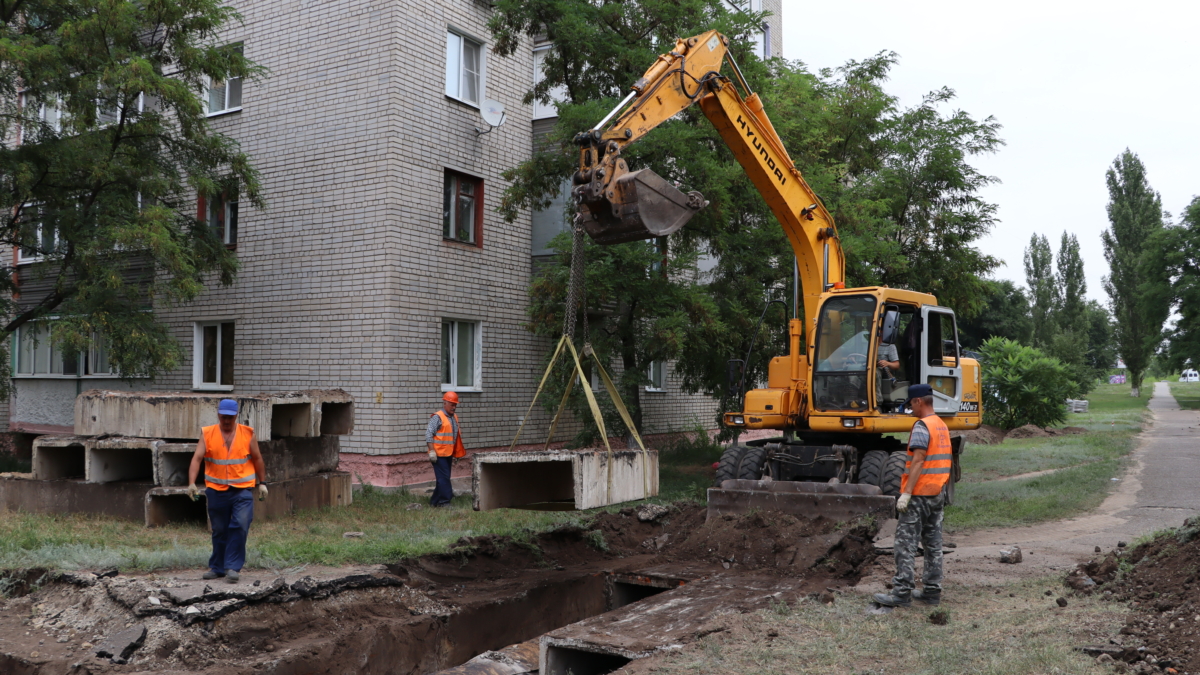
<point x="553" y="604"/>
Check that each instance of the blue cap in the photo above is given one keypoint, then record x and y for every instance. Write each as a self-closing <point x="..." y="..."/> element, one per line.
<point x="917" y="391"/>
<point x="227" y="406"/>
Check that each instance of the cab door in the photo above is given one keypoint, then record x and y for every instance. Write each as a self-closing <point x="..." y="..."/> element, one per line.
<point x="939" y="358"/>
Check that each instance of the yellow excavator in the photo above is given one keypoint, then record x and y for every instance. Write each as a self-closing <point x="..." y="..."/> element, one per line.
<point x="837" y="398"/>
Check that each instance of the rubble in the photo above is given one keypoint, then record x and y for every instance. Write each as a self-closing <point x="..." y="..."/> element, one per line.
<point x="1011" y="555"/>
<point x="122" y="645"/>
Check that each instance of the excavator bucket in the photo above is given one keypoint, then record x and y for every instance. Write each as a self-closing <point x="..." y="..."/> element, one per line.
<point x="641" y="205"/>
<point x="809" y="500"/>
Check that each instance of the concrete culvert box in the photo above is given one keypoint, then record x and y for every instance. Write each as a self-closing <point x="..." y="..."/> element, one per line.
<point x="117" y="459"/>
<point x="337" y="419"/>
<point x="578" y="478"/>
<point x="291" y="419"/>
<point x="561" y="659"/>
<point x="171" y="463"/>
<point x="174" y="506"/>
<point x="57" y="457"/>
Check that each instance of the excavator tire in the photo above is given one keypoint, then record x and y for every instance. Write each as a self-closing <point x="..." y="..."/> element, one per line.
<point x="893" y="471"/>
<point x="870" y="471"/>
<point x="731" y="459"/>
<point x="753" y="464"/>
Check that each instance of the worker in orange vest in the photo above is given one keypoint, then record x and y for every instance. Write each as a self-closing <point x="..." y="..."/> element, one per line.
<point x="922" y="500"/>
<point x="232" y="467"/>
<point x="443" y="438"/>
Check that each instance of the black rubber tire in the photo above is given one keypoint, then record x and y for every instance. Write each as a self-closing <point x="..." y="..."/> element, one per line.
<point x="727" y="469"/>
<point x="753" y="464"/>
<point x="870" y="471"/>
<point x="893" y="471"/>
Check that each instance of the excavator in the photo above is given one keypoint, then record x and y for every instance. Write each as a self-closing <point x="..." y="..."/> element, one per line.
<point x="837" y="398"/>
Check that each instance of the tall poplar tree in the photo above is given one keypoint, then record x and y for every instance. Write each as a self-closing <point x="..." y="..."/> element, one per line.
<point x="1072" y="287"/>
<point x="1136" y="285"/>
<point x="1043" y="289"/>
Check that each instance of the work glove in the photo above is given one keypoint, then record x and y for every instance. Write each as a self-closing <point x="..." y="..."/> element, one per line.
<point x="902" y="503"/>
<point x="432" y="457"/>
<point x="262" y="492"/>
<point x="193" y="491"/>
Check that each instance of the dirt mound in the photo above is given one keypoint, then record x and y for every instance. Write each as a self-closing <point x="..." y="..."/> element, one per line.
<point x="984" y="435"/>
<point x="1161" y="581"/>
<point x="1027" y="431"/>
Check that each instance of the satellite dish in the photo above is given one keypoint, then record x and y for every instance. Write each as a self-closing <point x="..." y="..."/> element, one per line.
<point x="493" y="114"/>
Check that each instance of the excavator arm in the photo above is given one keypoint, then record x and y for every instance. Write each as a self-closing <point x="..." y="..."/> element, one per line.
<point x="617" y="205"/>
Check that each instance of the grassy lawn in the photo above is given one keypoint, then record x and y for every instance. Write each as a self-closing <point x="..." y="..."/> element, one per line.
<point x="1187" y="394"/>
<point x="988" y="633"/>
<point x="1087" y="462"/>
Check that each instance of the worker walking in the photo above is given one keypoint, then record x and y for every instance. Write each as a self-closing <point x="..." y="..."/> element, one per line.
<point x="232" y="467"/>
<point x="920" y="505"/>
<point x="443" y="438"/>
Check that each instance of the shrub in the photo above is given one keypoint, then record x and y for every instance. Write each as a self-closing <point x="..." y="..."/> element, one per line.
<point x="1021" y="385"/>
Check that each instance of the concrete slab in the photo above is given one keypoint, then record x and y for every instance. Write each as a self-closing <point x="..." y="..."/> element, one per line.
<point x="165" y="505"/>
<point x="115" y="459"/>
<point x="123" y="499"/>
<point x="295" y="457"/>
<point x="513" y="479"/>
<point x="180" y="415"/>
<point x="171" y="462"/>
<point x="56" y="457"/>
<point x="839" y="502"/>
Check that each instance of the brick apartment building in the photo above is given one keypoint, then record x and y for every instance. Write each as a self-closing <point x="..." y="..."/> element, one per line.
<point x="380" y="264"/>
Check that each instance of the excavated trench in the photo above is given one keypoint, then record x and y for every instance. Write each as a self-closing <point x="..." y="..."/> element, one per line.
<point x="491" y="605"/>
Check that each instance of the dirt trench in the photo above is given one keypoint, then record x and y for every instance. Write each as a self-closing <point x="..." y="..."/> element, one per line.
<point x="436" y="612"/>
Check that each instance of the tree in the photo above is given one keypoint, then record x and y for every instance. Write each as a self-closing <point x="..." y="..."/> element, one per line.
<point x="1072" y="287"/>
<point x="1137" y="284"/>
<point x="1102" y="348"/>
<point x="898" y="182"/>
<point x="1179" y="248"/>
<point x="1043" y="291"/>
<point x="1022" y="385"/>
<point x="1005" y="314"/>
<point x="103" y="145"/>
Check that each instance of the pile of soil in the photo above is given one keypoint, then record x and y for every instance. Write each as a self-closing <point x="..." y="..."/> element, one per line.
<point x="1161" y="582"/>
<point x="985" y="435"/>
<point x="1027" y="431"/>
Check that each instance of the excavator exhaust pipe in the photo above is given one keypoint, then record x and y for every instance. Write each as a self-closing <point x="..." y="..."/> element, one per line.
<point x="639" y="205"/>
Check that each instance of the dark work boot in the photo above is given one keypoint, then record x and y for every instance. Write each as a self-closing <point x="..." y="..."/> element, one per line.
<point x="927" y="598"/>
<point x="892" y="600"/>
<point x="211" y="575"/>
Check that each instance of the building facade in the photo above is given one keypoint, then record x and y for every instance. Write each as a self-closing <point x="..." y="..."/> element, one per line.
<point x="379" y="265"/>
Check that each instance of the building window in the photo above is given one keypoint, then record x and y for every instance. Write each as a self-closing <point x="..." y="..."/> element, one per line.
<point x="464" y="68"/>
<point x="38" y="239"/>
<point x="657" y="373"/>
<point x="221" y="214"/>
<point x="225" y="95"/>
<point x="557" y="94"/>
<point x="462" y="209"/>
<point x="36" y="357"/>
<point x="462" y="347"/>
<point x="213" y="356"/>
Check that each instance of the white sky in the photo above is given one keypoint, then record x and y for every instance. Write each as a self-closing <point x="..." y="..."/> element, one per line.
<point x="1073" y="84"/>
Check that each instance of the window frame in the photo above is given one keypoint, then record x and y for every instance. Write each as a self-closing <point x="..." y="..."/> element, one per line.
<point x="481" y="85"/>
<point x="84" y="364"/>
<point x="449" y="210"/>
<point x="198" y="383"/>
<point x="204" y="208"/>
<point x="477" y="352"/>
<point x="208" y="87"/>
<point x="660" y="385"/>
<point x="23" y="259"/>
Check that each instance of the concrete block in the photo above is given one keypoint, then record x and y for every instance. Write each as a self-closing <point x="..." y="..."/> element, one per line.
<point x="838" y="502"/>
<point x="513" y="479"/>
<point x="121" y="499"/>
<point x="115" y="459"/>
<point x="171" y="462"/>
<point x="165" y="505"/>
<point x="56" y="457"/>
<point x="181" y="415"/>
<point x="294" y="457"/>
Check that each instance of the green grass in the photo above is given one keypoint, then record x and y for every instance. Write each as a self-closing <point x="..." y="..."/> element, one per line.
<point x="1187" y="394"/>
<point x="1085" y="463"/>
<point x="685" y="467"/>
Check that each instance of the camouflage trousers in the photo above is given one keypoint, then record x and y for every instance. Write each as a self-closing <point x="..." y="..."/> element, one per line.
<point x="921" y="522"/>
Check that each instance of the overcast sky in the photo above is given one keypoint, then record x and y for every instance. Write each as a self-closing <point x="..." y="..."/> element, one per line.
<point x="1072" y="83"/>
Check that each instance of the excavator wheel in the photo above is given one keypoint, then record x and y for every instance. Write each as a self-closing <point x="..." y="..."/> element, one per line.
<point x="731" y="459"/>
<point x="753" y="464"/>
<point x="893" y="471"/>
<point x="870" y="472"/>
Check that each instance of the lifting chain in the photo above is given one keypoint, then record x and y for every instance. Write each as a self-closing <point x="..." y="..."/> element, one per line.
<point x="576" y="294"/>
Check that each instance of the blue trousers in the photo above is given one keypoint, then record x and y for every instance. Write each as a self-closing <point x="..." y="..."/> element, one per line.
<point x="442" y="492"/>
<point x="230" y="513"/>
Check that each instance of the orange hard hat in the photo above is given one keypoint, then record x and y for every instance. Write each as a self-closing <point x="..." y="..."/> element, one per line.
<point x="450" y="396"/>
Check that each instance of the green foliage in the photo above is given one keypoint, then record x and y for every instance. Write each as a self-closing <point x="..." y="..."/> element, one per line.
<point x="1043" y="289"/>
<point x="898" y="182"/>
<point x="1021" y="385"/>
<point x="1137" y="284"/>
<point x="117" y="185"/>
<point x="1005" y="314"/>
<point x="1179" y="248"/>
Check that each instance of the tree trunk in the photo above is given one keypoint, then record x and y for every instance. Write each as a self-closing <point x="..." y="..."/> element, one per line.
<point x="1134" y="392"/>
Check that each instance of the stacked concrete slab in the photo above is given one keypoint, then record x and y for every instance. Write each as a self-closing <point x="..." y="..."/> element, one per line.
<point x="582" y="479"/>
<point x="140" y="444"/>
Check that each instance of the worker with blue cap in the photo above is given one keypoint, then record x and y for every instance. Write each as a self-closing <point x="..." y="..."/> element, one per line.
<point x="232" y="467"/>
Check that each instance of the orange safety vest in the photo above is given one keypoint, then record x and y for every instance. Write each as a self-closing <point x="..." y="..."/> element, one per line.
<point x="939" y="456"/>
<point x="224" y="468"/>
<point x="445" y="442"/>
